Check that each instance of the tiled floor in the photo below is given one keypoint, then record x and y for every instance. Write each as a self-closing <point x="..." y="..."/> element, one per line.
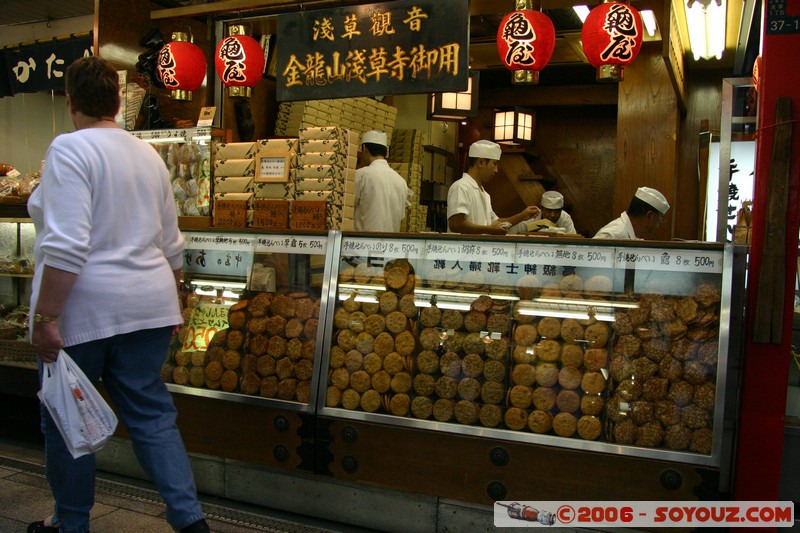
<point x="122" y="505"/>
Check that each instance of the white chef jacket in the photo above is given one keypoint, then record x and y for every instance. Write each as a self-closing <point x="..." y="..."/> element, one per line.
<point x="564" y="221"/>
<point x="381" y="198"/>
<point x="468" y="198"/>
<point x="619" y="228"/>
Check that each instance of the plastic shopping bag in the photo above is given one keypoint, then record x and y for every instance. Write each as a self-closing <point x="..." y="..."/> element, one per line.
<point x="81" y="414"/>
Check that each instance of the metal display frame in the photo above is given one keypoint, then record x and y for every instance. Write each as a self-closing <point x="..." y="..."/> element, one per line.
<point x="721" y="448"/>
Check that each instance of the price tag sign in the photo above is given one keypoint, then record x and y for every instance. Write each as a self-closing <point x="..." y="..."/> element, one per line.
<point x="577" y="256"/>
<point x="405" y="248"/>
<point x="230" y="213"/>
<point x="702" y="261"/>
<point x="229" y="254"/>
<point x="231" y="242"/>
<point x="206" y="320"/>
<point x="472" y="251"/>
<point x="271" y="214"/>
<point x="299" y="244"/>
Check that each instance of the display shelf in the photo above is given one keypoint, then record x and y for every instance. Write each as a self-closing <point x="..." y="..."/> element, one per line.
<point x="507" y="301"/>
<point x="17" y="235"/>
<point x="615" y="347"/>
<point x="252" y="302"/>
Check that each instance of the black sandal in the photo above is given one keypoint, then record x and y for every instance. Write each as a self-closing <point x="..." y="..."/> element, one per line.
<point x="39" y="527"/>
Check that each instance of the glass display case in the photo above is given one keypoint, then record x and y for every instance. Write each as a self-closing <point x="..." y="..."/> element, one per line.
<point x="252" y="308"/>
<point x="187" y="154"/>
<point x="607" y="346"/>
<point x="17" y="237"/>
<point x="602" y="346"/>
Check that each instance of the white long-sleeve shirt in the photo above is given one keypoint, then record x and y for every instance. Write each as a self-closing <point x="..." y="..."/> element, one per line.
<point x="105" y="211"/>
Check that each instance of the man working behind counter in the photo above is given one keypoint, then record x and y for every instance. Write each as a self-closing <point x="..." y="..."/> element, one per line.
<point x="469" y="206"/>
<point x="552" y="209"/>
<point x="640" y="221"/>
<point x="381" y="193"/>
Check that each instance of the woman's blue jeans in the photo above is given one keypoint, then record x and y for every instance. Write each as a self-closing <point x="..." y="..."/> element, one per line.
<point x="130" y="365"/>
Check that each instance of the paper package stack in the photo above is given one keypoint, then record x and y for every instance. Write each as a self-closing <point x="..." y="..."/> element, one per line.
<point x="358" y="114"/>
<point x="238" y="178"/>
<point x="234" y="171"/>
<point x="326" y="172"/>
<point x="405" y="156"/>
<point x="274" y="183"/>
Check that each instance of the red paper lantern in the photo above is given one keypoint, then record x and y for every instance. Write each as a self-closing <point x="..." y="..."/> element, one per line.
<point x="525" y="42"/>
<point x="757" y="72"/>
<point x="181" y="66"/>
<point x="240" y="62"/>
<point x="612" y="37"/>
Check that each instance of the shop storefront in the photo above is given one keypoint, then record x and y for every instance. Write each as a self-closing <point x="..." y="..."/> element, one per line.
<point x="430" y="372"/>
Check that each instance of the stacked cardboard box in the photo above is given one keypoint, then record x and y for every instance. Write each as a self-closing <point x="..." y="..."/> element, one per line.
<point x="326" y="172"/>
<point x="405" y="153"/>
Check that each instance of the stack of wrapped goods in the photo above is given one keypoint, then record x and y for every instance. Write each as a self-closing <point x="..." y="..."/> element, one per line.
<point x="274" y="187"/>
<point x="234" y="171"/>
<point x="330" y="137"/>
<point x="357" y="114"/>
<point x="326" y="173"/>
<point x="405" y="155"/>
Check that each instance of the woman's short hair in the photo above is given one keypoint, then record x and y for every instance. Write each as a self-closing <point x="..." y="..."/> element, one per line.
<point x="93" y="87"/>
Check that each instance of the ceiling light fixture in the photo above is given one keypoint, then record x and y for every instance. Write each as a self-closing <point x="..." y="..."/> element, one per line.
<point x="456" y="106"/>
<point x="706" y="22"/>
<point x="514" y="126"/>
<point x="582" y="11"/>
<point x="649" y="21"/>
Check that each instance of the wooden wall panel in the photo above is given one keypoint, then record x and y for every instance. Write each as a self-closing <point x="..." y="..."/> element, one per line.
<point x="573" y="153"/>
<point x="647" y="129"/>
<point x="704" y="92"/>
<point x="577" y="147"/>
<point x="462" y="467"/>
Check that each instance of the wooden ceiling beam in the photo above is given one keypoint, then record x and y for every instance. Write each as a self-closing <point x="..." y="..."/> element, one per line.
<point x="233" y="6"/>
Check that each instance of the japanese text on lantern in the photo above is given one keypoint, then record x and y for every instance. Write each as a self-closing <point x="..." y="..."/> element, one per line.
<point x="621" y="28"/>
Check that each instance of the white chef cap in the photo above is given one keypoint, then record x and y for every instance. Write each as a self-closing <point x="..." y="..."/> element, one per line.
<point x="552" y="200"/>
<point x="375" y="137"/>
<point x="486" y="150"/>
<point x="653" y="198"/>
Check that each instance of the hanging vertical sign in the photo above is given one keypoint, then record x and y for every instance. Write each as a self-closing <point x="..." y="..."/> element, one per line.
<point x="41" y="66"/>
<point x="400" y="47"/>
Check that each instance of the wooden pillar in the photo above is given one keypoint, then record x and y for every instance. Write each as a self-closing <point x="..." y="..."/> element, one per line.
<point x="647" y="126"/>
<point x="766" y="364"/>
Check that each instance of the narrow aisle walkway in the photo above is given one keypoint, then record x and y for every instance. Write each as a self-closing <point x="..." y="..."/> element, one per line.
<point x="123" y="505"/>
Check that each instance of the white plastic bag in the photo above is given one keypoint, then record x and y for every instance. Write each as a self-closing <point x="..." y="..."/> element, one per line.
<point x="81" y="414"/>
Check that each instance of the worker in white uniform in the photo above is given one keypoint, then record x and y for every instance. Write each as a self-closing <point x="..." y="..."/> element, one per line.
<point x="381" y="193"/>
<point x="640" y="221"/>
<point x="469" y="206"/>
<point x="552" y="209"/>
